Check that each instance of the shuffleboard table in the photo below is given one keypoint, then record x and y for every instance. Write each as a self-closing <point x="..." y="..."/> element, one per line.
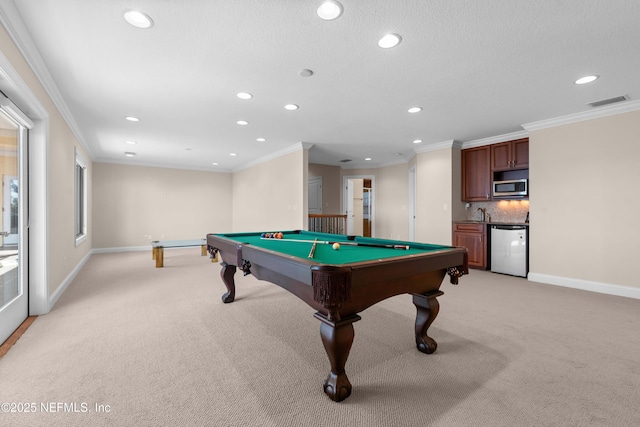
<point x="340" y="283"/>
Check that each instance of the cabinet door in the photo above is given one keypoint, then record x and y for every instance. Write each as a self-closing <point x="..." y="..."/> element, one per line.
<point x="520" y="153"/>
<point x="475" y="247"/>
<point x="476" y="176"/>
<point x="501" y="156"/>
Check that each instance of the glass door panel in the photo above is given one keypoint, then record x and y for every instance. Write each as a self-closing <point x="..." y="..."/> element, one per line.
<point x="13" y="298"/>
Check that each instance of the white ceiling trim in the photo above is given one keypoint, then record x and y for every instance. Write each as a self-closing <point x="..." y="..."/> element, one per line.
<point x="131" y="162"/>
<point x="495" y="139"/>
<point x="13" y="24"/>
<point x="609" y="110"/>
<point x="288" y="150"/>
<point x="439" y="146"/>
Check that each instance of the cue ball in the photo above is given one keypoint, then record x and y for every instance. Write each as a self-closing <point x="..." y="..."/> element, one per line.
<point x="336" y="246"/>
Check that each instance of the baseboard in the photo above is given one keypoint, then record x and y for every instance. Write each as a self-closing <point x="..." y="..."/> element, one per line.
<point x="122" y="249"/>
<point x="586" y="285"/>
<point x="67" y="281"/>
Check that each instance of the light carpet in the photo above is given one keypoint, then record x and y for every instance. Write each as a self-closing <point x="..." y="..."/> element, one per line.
<point x="131" y="345"/>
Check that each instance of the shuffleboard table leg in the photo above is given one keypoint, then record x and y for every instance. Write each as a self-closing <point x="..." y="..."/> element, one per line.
<point x="337" y="338"/>
<point x="227" y="274"/>
<point x="428" y="308"/>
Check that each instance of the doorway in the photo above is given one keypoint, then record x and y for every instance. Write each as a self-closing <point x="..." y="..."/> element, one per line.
<point x="359" y="204"/>
<point x="14" y="302"/>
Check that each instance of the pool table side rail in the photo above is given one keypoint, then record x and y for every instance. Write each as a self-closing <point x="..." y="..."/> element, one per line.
<point x="215" y="241"/>
<point x="331" y="284"/>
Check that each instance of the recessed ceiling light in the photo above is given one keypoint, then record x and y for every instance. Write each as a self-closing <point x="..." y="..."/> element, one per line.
<point x="132" y="119"/>
<point x="417" y="141"/>
<point x="586" y="79"/>
<point x="414" y="109"/>
<point x="138" y="19"/>
<point x="244" y="95"/>
<point x="131" y="142"/>
<point x="367" y="158"/>
<point x="232" y="154"/>
<point x="129" y="154"/>
<point x="329" y="10"/>
<point x="260" y="139"/>
<point x="389" y="40"/>
<point x="215" y="163"/>
<point x="291" y="107"/>
<point x="242" y="122"/>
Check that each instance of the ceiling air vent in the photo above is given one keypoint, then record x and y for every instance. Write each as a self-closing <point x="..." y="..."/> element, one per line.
<point x="609" y="101"/>
<point x="345" y="160"/>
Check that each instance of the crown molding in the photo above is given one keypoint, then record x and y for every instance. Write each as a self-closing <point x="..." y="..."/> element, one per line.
<point x="496" y="139"/>
<point x="131" y="162"/>
<point x="439" y="146"/>
<point x="287" y="150"/>
<point x="13" y="24"/>
<point x="596" y="113"/>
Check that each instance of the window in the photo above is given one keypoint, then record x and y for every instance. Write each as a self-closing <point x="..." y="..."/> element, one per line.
<point x="80" y="192"/>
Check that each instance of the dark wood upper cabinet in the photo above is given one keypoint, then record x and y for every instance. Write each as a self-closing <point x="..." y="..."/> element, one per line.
<point x="510" y="155"/>
<point x="476" y="174"/>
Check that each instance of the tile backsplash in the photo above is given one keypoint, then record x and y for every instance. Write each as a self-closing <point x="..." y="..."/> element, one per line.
<point x="499" y="211"/>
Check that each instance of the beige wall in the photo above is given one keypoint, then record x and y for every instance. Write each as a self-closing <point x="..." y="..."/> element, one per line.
<point x="61" y="256"/>
<point x="271" y="195"/>
<point x="435" y="205"/>
<point x="584" y="200"/>
<point x="392" y="202"/>
<point x="331" y="185"/>
<point x="135" y="204"/>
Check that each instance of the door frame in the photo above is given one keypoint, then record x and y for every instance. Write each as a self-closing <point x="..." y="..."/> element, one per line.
<point x="15" y="88"/>
<point x="344" y="202"/>
<point x="15" y="311"/>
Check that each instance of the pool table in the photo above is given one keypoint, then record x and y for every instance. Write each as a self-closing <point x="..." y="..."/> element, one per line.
<point x="340" y="283"/>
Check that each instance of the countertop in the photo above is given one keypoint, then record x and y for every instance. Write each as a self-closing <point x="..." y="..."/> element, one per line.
<point x="491" y="223"/>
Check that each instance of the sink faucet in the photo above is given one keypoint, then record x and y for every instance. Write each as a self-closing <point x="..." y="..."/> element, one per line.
<point x="484" y="213"/>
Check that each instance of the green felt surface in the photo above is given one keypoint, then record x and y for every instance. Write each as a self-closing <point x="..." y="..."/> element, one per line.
<point x="325" y="254"/>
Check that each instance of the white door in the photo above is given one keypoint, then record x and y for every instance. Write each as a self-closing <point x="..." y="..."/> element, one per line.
<point x="358" y="207"/>
<point x="315" y="195"/>
<point x="349" y="207"/>
<point x="13" y="260"/>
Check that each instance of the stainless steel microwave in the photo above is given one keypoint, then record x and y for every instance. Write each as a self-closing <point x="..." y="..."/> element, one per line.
<point x="511" y="188"/>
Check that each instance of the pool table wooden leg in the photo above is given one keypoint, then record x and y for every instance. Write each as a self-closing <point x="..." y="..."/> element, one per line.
<point x="428" y="308"/>
<point x="337" y="338"/>
<point x="226" y="274"/>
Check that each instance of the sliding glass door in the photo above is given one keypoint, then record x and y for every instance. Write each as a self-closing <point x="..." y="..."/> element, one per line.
<point x="13" y="229"/>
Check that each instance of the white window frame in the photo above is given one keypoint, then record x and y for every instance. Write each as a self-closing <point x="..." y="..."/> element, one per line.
<point x="80" y="198"/>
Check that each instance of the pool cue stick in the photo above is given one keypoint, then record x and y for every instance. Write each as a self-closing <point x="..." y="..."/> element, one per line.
<point x="347" y="242"/>
<point x="313" y="248"/>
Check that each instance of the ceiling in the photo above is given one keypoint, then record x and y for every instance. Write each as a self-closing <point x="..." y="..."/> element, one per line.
<point x="478" y="69"/>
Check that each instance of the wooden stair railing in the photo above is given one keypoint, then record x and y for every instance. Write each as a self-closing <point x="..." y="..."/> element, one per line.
<point x="328" y="223"/>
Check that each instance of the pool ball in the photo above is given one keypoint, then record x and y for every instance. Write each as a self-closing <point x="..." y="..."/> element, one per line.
<point x="336" y="246"/>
